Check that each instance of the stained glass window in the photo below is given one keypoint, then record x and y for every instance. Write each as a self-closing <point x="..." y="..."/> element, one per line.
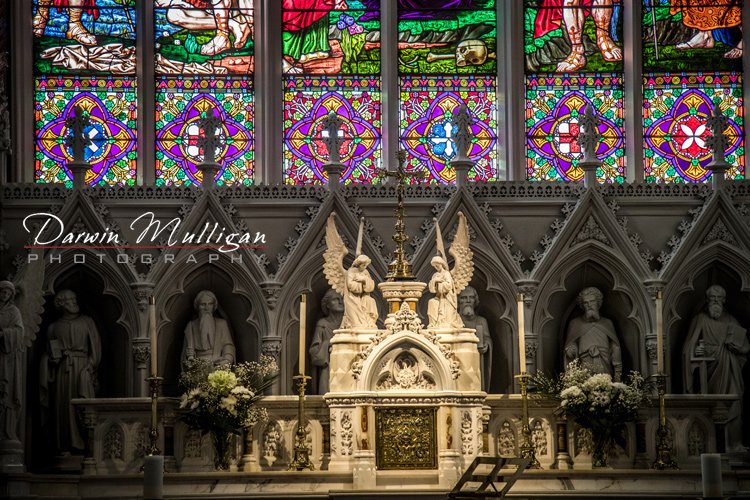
<point x="180" y="103"/>
<point x="84" y="36"/>
<point x="306" y="102"/>
<point x="447" y="36"/>
<point x="331" y="59"/>
<point x="675" y="111"/>
<point x="447" y="57"/>
<point x="692" y="35"/>
<point x="213" y="38"/>
<point x="93" y="45"/>
<point x="206" y="52"/>
<point x="110" y="105"/>
<point x="554" y="106"/>
<point x="427" y="106"/>
<point x="573" y="60"/>
<point x="572" y="36"/>
<point x="692" y="61"/>
<point x="331" y="37"/>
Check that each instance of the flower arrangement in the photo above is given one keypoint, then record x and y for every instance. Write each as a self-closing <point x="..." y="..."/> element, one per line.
<point x="596" y="402"/>
<point x="224" y="401"/>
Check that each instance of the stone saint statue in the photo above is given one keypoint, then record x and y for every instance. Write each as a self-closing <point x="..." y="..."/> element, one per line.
<point x="719" y="345"/>
<point x="442" y="309"/>
<point x="354" y="284"/>
<point x="12" y="352"/>
<point x="360" y="309"/>
<point x="446" y="283"/>
<point x="332" y="306"/>
<point x="68" y="370"/>
<point x="468" y="300"/>
<point x="592" y="339"/>
<point x="207" y="337"/>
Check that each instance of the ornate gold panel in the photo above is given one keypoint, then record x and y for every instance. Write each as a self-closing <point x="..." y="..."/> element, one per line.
<point x="406" y="438"/>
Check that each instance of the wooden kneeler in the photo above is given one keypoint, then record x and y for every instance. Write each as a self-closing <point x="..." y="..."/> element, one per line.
<point x="488" y="479"/>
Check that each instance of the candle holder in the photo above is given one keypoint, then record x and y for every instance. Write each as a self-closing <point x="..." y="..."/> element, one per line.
<point x="526" y="447"/>
<point x="664" y="458"/>
<point x="153" y="383"/>
<point x="301" y="452"/>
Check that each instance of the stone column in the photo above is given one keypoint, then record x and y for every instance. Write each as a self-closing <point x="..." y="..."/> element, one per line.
<point x="89" y="460"/>
<point x="169" y="418"/>
<point x="562" y="458"/>
<point x="718" y="143"/>
<point x="249" y="462"/>
<point x="363" y="470"/>
<point x="334" y="171"/>
<point x="140" y="343"/>
<point x="271" y="346"/>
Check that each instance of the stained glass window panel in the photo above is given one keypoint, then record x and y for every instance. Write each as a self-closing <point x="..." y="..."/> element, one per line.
<point x="447" y="36"/>
<point x="331" y="37"/>
<point x="307" y="100"/>
<point x="692" y="35"/>
<point x="554" y="105"/>
<point x="180" y="104"/>
<point x="84" y="36"/>
<point x="204" y="37"/>
<point x="573" y="36"/>
<point x="110" y="105"/>
<point x="427" y="107"/>
<point x="675" y="110"/>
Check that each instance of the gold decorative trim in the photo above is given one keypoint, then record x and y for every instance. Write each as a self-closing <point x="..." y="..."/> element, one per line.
<point x="406" y="438"/>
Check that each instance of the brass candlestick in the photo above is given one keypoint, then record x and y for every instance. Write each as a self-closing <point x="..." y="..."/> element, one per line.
<point x="301" y="452"/>
<point x="526" y="448"/>
<point x="153" y="384"/>
<point x="664" y="458"/>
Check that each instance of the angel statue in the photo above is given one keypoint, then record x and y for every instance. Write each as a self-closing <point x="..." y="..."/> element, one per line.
<point x="355" y="283"/>
<point x="446" y="283"/>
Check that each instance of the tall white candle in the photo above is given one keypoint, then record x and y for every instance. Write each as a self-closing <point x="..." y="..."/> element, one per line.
<point x="521" y="336"/>
<point x="659" y="334"/>
<point x="711" y="473"/>
<point x="152" y="334"/>
<point x="302" y="321"/>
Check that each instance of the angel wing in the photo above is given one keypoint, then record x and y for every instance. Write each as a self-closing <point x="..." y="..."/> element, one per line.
<point x="463" y="268"/>
<point x="333" y="257"/>
<point x="30" y="302"/>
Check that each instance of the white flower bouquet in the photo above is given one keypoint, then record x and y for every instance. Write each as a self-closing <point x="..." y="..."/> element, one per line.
<point x="224" y="401"/>
<point x="595" y="402"/>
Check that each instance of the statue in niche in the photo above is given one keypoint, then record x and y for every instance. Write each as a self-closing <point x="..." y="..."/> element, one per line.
<point x="718" y="345"/>
<point x="354" y="284"/>
<point x="332" y="306"/>
<point x="446" y="284"/>
<point x="68" y="370"/>
<point x="592" y="339"/>
<point x="207" y="337"/>
<point x="12" y="353"/>
<point x="468" y="300"/>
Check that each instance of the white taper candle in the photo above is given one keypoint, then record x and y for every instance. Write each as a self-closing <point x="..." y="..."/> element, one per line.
<point x="659" y="333"/>
<point x="302" y="321"/>
<point x="152" y="335"/>
<point x="521" y="336"/>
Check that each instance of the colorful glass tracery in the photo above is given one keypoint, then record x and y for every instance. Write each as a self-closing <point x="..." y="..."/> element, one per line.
<point x="110" y="105"/>
<point x="427" y="107"/>
<point x="554" y="105"/>
<point x="675" y="111"/>
<point x="96" y="38"/>
<point x="180" y="103"/>
<point x="306" y="102"/>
